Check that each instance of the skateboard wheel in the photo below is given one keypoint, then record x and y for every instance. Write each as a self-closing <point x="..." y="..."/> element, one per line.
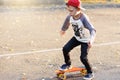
<point x="83" y="72"/>
<point x="61" y="76"/>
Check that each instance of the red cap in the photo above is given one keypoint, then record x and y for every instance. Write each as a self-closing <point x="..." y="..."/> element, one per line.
<point x="75" y="3"/>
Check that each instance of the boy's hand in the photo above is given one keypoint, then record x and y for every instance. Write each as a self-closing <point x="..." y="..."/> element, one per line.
<point x="89" y="44"/>
<point x="62" y="32"/>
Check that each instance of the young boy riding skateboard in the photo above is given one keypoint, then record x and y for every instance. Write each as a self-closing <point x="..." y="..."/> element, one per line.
<point x="81" y="25"/>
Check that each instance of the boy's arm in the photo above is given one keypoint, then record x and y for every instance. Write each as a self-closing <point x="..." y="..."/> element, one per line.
<point x="90" y="27"/>
<point x="65" y="25"/>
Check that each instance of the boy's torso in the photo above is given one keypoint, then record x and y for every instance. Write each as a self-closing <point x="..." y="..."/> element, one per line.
<point x="80" y="32"/>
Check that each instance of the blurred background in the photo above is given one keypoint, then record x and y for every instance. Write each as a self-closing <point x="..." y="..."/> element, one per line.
<point x="30" y="44"/>
<point x="49" y="2"/>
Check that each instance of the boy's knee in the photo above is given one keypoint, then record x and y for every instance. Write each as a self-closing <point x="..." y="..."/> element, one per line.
<point x="83" y="59"/>
<point x="65" y="50"/>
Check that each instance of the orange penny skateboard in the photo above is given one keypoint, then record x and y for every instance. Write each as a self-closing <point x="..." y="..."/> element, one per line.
<point x="61" y="73"/>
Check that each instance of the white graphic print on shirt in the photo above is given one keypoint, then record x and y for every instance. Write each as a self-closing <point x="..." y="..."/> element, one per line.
<point x="78" y="28"/>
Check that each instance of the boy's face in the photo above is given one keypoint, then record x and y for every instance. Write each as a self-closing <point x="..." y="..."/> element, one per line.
<point x="72" y="10"/>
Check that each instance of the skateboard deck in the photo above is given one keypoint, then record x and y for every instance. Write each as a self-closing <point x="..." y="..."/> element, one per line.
<point x="61" y="73"/>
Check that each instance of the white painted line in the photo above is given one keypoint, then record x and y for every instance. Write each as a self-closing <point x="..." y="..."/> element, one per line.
<point x="107" y="44"/>
<point x="30" y="52"/>
<point x="55" y="49"/>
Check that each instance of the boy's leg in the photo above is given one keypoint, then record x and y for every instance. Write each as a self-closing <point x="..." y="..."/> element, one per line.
<point x="68" y="47"/>
<point x="83" y="57"/>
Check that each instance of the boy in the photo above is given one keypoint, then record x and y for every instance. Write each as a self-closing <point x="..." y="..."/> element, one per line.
<point x="81" y="25"/>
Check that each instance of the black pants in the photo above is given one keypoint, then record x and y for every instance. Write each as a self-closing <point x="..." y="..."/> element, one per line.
<point x="84" y="52"/>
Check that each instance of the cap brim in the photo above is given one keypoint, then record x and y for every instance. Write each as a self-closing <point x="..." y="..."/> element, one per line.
<point x="82" y="8"/>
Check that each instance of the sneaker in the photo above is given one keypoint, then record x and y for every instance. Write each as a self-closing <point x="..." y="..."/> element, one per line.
<point x="88" y="76"/>
<point x="65" y="67"/>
